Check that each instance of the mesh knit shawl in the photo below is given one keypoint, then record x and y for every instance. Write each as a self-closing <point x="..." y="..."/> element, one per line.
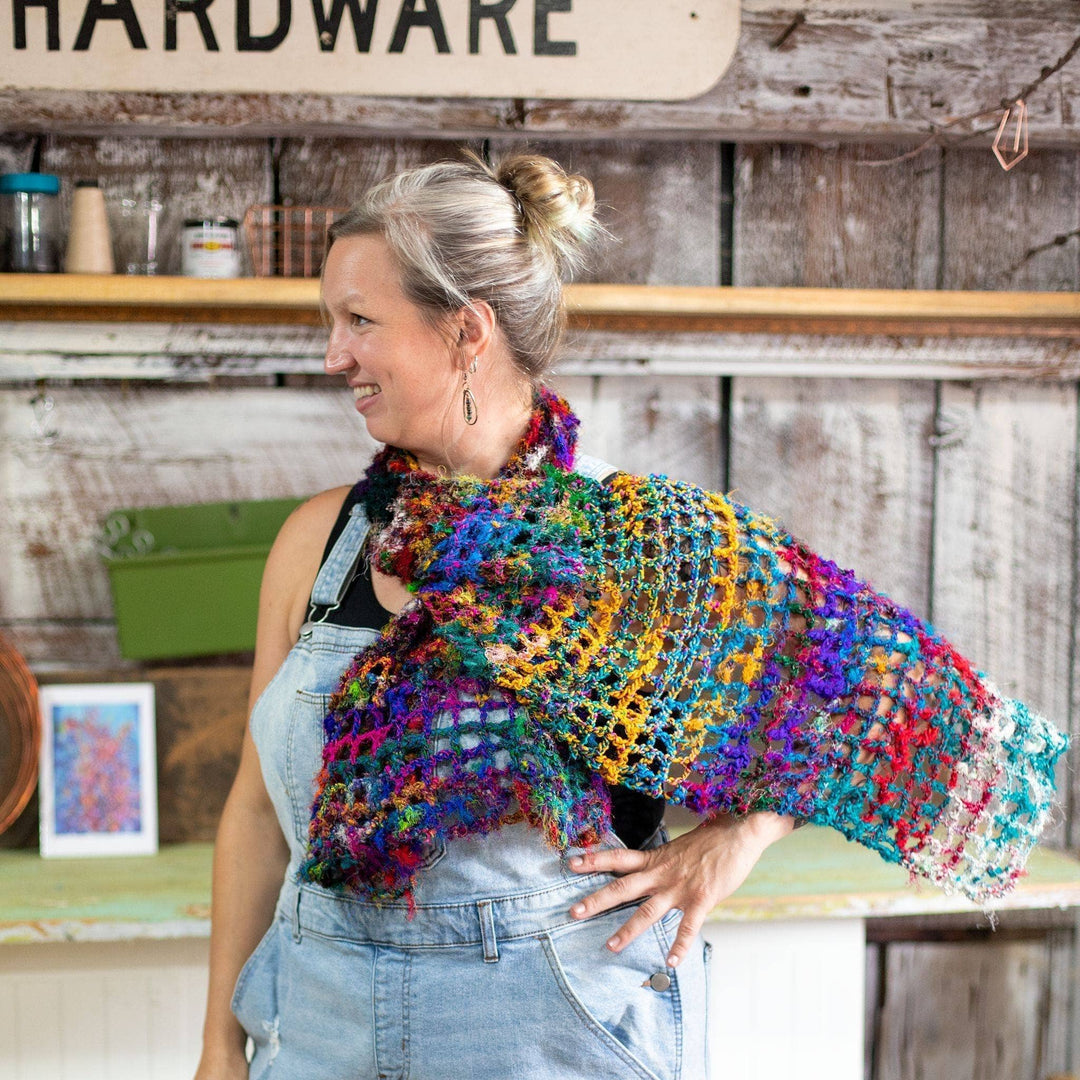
<point x="567" y="633"/>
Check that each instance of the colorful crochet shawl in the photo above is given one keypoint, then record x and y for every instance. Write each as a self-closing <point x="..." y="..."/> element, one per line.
<point x="566" y="634"/>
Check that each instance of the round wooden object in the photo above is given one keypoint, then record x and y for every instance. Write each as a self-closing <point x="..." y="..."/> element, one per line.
<point x="20" y="733"/>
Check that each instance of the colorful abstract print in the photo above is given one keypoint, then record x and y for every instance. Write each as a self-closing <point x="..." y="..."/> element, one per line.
<point x="96" y="768"/>
<point x="566" y="634"/>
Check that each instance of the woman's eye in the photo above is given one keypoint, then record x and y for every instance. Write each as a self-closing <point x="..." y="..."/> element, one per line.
<point x="356" y="320"/>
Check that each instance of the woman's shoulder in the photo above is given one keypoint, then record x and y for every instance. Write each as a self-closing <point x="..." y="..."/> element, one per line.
<point x="303" y="534"/>
<point x="296" y="554"/>
<point x="312" y="520"/>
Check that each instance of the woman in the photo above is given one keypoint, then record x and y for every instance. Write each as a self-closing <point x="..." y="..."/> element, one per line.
<point x="480" y="673"/>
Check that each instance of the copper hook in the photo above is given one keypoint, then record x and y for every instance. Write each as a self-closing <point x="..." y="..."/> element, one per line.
<point x="1021" y="131"/>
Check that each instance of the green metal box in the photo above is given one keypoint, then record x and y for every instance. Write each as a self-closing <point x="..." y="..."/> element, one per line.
<point x="185" y="579"/>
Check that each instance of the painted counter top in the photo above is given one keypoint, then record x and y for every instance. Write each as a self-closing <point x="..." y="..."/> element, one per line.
<point x="812" y="873"/>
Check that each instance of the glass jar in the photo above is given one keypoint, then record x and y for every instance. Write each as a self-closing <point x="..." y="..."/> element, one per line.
<point x="137" y="238"/>
<point x="29" y="223"/>
<point x="211" y="248"/>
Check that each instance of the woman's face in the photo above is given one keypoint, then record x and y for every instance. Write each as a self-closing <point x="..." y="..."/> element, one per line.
<point x="380" y="341"/>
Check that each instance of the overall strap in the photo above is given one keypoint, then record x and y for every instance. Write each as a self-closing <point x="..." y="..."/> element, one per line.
<point x="593" y="467"/>
<point x="340" y="567"/>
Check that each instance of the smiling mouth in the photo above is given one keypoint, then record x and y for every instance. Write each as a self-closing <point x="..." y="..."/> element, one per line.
<point x="367" y="390"/>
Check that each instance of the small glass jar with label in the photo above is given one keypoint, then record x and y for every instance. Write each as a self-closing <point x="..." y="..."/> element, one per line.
<point x="211" y="248"/>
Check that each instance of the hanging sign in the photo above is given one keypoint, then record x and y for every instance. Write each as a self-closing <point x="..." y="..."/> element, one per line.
<point x="634" y="49"/>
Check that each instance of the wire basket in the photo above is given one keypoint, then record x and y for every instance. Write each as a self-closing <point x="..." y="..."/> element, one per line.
<point x="288" y="241"/>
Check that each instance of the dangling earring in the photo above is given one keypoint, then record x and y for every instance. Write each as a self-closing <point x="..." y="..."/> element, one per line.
<point x="468" y="402"/>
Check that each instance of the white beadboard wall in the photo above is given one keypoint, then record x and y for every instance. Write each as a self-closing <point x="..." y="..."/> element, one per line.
<point x="786" y="1000"/>
<point x="123" y="1011"/>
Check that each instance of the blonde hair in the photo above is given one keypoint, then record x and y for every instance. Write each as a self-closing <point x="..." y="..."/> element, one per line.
<point x="508" y="234"/>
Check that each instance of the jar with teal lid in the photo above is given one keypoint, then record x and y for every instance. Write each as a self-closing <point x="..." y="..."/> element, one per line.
<point x="29" y="223"/>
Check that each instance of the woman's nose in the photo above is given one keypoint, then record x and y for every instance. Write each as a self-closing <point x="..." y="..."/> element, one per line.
<point x="337" y="359"/>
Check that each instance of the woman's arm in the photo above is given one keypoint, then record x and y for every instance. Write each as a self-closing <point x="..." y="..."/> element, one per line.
<point x="251" y="854"/>
<point x="250" y="857"/>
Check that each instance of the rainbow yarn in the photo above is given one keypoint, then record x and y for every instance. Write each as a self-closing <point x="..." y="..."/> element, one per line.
<point x="566" y="634"/>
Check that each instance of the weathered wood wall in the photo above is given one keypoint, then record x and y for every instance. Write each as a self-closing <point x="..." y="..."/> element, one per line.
<point x="958" y="498"/>
<point x="853" y="70"/>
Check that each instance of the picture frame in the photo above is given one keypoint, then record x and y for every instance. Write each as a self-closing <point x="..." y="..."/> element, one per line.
<point x="98" y="774"/>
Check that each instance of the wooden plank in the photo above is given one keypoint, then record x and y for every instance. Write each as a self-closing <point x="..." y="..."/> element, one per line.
<point x="16" y="150"/>
<point x="1073" y="1003"/>
<point x="1014" y="230"/>
<point x="859" y="73"/>
<point x="112" y="294"/>
<point x="816" y="216"/>
<point x="150" y="447"/>
<point x="659" y="200"/>
<point x="873" y="964"/>
<point x="1018" y="231"/>
<point x="1072" y="795"/>
<point x="102" y="900"/>
<point x="846" y="466"/>
<point x="211" y="341"/>
<point x="1009" y="925"/>
<point x="812" y="874"/>
<point x="52" y="645"/>
<point x="964" y="9"/>
<point x="651" y="425"/>
<point x="813" y="356"/>
<point x="1004" y="520"/>
<point x="965" y="1010"/>
<point x="193" y="178"/>
<point x="201" y="716"/>
<point x="1061" y="986"/>
<point x="36" y="1016"/>
<point x="864" y="72"/>
<point x="70" y="113"/>
<point x="631" y="307"/>
<point x="337" y="171"/>
<point x="210" y="353"/>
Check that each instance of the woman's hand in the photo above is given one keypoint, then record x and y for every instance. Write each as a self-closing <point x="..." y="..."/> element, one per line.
<point x="693" y="872"/>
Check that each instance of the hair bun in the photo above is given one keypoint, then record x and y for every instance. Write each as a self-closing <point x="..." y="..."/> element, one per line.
<point x="558" y="209"/>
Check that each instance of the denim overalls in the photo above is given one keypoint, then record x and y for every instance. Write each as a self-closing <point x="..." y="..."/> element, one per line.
<point x="492" y="979"/>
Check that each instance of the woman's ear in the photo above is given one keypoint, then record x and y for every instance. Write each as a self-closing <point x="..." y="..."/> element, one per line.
<point x="474" y="328"/>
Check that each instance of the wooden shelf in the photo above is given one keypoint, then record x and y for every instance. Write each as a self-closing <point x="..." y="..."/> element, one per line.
<point x="824" y="311"/>
<point x="121" y="298"/>
<point x="624" y="308"/>
<point x="812" y="874"/>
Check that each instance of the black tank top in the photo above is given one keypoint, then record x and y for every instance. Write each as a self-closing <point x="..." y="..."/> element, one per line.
<point x="634" y="816"/>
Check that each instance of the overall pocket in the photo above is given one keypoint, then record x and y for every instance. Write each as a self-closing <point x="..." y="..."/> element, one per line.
<point x="303" y="755"/>
<point x="629" y="1001"/>
<point x="303" y="763"/>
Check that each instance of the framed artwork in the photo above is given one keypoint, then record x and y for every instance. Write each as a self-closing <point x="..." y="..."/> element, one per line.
<point x="98" y="786"/>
